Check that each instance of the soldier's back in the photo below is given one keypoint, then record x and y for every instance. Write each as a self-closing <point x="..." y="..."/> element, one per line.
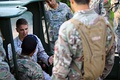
<point x="29" y="70"/>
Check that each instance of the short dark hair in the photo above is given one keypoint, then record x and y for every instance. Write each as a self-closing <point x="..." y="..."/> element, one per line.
<point x="29" y="44"/>
<point x="21" y="21"/>
<point x="82" y="1"/>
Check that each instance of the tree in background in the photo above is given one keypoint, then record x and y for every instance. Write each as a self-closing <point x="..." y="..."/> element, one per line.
<point x="110" y="14"/>
<point x="65" y="1"/>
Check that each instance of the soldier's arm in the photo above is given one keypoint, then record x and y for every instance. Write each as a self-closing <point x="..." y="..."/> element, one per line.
<point x="42" y="55"/>
<point x="5" y="72"/>
<point x="69" y="13"/>
<point x="62" y="60"/>
<point x="62" y="56"/>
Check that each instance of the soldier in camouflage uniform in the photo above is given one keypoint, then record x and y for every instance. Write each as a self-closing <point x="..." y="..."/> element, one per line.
<point x="40" y="54"/>
<point x="116" y="9"/>
<point x="115" y="6"/>
<point x="69" y="44"/>
<point x="27" y="68"/>
<point x="4" y="67"/>
<point x="57" y="13"/>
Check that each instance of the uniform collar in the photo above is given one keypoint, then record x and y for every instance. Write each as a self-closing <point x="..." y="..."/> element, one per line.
<point x="25" y="57"/>
<point x="19" y="41"/>
<point x="87" y="11"/>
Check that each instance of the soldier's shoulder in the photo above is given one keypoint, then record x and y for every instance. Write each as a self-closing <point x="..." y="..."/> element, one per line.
<point x="4" y="72"/>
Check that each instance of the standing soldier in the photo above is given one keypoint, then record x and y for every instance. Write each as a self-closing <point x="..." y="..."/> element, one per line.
<point x="57" y="13"/>
<point x="115" y="7"/>
<point x="83" y="50"/>
<point x="4" y="67"/>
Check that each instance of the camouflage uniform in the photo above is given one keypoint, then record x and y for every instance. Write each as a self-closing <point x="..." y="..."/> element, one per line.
<point x="107" y="8"/>
<point x="38" y="54"/>
<point x="116" y="10"/>
<point x="98" y="6"/>
<point x="69" y="45"/>
<point x="4" y="67"/>
<point x="56" y="17"/>
<point x="28" y="69"/>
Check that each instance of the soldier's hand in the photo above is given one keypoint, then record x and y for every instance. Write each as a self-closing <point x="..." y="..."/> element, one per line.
<point x="51" y="60"/>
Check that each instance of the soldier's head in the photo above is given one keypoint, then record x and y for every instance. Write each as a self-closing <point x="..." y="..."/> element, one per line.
<point x="29" y="45"/>
<point x="79" y="4"/>
<point x="52" y="3"/>
<point x="22" y="28"/>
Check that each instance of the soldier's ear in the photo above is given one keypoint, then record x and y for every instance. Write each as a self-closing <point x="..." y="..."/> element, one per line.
<point x="71" y="1"/>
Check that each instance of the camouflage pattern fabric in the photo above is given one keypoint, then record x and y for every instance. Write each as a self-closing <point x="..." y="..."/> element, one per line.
<point x="69" y="46"/>
<point x="107" y="8"/>
<point x="28" y="69"/>
<point x="5" y="72"/>
<point x="56" y="18"/>
<point x="115" y="5"/>
<point x="39" y="53"/>
<point x="116" y="9"/>
<point x="4" y="67"/>
<point x="98" y="6"/>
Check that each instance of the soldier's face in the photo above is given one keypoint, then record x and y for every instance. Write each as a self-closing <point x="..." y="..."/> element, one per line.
<point x="51" y="3"/>
<point x="22" y="30"/>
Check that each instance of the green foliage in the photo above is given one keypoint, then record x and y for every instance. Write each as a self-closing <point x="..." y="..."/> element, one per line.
<point x="111" y="14"/>
<point x="65" y="1"/>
